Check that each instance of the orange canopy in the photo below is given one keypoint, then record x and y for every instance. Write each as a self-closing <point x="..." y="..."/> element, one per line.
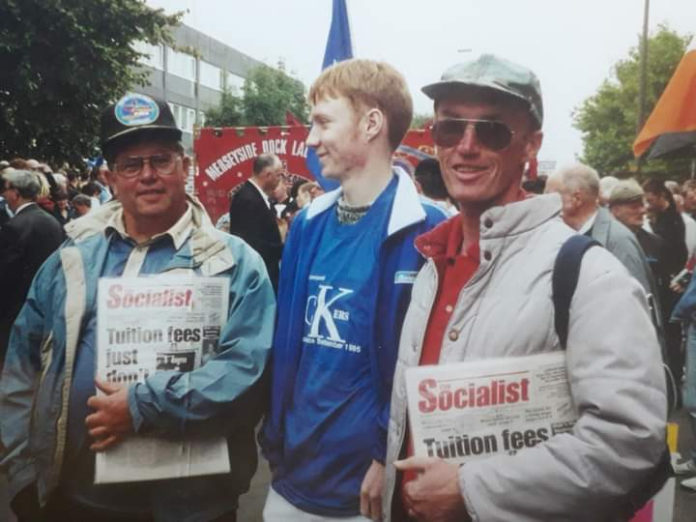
<point x="675" y="112"/>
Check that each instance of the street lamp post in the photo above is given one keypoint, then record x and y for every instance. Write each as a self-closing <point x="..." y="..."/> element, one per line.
<point x="643" y="68"/>
<point x="642" y="83"/>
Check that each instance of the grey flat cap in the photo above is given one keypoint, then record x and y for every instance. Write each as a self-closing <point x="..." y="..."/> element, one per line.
<point x="626" y="191"/>
<point x="491" y="72"/>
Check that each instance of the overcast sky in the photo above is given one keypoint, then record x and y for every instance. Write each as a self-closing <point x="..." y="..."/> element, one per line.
<point x="571" y="44"/>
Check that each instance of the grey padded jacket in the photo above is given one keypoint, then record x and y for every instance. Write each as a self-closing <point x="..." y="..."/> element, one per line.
<point x="613" y="360"/>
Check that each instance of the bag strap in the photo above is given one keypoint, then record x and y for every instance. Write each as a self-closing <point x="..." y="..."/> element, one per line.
<point x="566" y="272"/>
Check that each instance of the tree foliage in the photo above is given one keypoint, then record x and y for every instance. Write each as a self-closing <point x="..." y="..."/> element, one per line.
<point x="268" y="94"/>
<point x="227" y="114"/>
<point x="62" y="62"/>
<point x="608" y="119"/>
<point x="421" y="120"/>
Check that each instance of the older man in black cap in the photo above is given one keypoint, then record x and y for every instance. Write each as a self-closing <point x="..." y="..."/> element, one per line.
<point x="52" y="423"/>
<point x="485" y="292"/>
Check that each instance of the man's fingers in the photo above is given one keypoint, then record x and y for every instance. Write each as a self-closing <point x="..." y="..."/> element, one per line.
<point x="107" y="387"/>
<point x="99" y="432"/>
<point x="414" y="463"/>
<point x="92" y="421"/>
<point x="102" y="445"/>
<point x="376" y="507"/>
<point x="364" y="502"/>
<point x="95" y="402"/>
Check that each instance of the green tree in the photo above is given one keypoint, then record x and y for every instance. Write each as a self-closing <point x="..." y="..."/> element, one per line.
<point x="227" y="114"/>
<point x="62" y="61"/>
<point x="420" y="119"/>
<point x="269" y="93"/>
<point x="608" y="118"/>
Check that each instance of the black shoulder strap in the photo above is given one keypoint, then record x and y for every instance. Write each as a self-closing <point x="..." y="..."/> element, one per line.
<point x="566" y="271"/>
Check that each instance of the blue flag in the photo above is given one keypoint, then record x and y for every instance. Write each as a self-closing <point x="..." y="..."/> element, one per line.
<point x="338" y="48"/>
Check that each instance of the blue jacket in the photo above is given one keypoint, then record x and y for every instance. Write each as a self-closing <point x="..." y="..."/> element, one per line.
<point x="685" y="308"/>
<point x="398" y="264"/>
<point x="222" y="396"/>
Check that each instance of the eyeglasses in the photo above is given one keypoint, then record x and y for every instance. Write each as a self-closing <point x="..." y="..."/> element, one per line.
<point x="163" y="164"/>
<point x="494" y="135"/>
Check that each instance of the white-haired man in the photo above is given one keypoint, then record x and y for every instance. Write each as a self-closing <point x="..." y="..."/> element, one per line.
<point x="579" y="187"/>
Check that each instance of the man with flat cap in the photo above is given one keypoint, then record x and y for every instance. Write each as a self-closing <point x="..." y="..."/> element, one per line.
<point x="51" y="422"/>
<point x="485" y="292"/>
<point x="626" y="204"/>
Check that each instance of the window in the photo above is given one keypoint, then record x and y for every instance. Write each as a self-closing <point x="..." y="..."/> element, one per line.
<point x="190" y="120"/>
<point x="210" y="76"/>
<point x="233" y="83"/>
<point x="180" y="64"/>
<point x="201" y="118"/>
<point x="155" y="57"/>
<point x="185" y="118"/>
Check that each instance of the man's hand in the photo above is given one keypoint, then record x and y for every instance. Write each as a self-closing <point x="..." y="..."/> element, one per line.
<point x="371" y="492"/>
<point x="434" y="495"/>
<point x="111" y="421"/>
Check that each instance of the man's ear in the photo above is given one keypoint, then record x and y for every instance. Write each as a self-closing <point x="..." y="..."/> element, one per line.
<point x="534" y="141"/>
<point x="185" y="164"/>
<point x="374" y="122"/>
<point x="110" y="176"/>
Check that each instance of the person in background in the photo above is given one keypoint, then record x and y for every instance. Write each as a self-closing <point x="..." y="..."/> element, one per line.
<point x="92" y="190"/>
<point x="689" y="193"/>
<point x="689" y="222"/>
<point x="606" y="185"/>
<point x="578" y="186"/>
<point x="81" y="205"/>
<point x="26" y="240"/>
<point x="665" y="221"/>
<point x="626" y="205"/>
<point x="253" y="217"/>
<point x="62" y="211"/>
<point x="429" y="179"/>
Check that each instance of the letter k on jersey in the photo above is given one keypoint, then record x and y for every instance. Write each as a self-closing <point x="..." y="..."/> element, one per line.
<point x="323" y="312"/>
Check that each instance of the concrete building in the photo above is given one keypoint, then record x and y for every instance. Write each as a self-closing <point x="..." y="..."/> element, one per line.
<point x="193" y="84"/>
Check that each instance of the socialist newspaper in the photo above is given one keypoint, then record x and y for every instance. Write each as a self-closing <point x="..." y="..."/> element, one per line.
<point x="154" y="324"/>
<point x="471" y="410"/>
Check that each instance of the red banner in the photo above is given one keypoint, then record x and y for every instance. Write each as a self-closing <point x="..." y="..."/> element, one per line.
<point x="225" y="158"/>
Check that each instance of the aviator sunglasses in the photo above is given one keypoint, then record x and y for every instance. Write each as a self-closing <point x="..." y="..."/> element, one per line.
<point x="494" y="135"/>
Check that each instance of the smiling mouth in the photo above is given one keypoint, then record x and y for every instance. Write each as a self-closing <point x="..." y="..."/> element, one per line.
<point x="469" y="171"/>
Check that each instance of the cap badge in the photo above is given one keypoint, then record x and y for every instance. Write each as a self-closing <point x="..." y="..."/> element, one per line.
<point x="136" y="109"/>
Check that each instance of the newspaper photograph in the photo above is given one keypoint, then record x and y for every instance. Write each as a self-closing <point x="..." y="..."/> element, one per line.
<point x="471" y="410"/>
<point x="152" y="324"/>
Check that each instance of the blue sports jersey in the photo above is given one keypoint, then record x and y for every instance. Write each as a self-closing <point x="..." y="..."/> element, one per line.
<point x="332" y="417"/>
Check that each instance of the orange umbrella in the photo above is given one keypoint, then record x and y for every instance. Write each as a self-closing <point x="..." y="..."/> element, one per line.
<point x="671" y="127"/>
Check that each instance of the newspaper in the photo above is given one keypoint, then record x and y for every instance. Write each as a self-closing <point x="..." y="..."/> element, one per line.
<point x="146" y="325"/>
<point x="471" y="410"/>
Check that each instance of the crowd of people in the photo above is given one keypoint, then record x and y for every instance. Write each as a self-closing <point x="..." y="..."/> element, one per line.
<point x="334" y="296"/>
<point x="65" y="194"/>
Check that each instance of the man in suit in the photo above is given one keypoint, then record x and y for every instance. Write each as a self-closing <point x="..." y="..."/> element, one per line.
<point x="252" y="216"/>
<point x="578" y="186"/>
<point x="26" y="241"/>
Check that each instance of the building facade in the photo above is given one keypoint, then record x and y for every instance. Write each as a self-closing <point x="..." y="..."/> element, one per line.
<point x="193" y="82"/>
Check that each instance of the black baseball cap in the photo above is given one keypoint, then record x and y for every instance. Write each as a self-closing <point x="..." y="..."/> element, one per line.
<point x="135" y="117"/>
